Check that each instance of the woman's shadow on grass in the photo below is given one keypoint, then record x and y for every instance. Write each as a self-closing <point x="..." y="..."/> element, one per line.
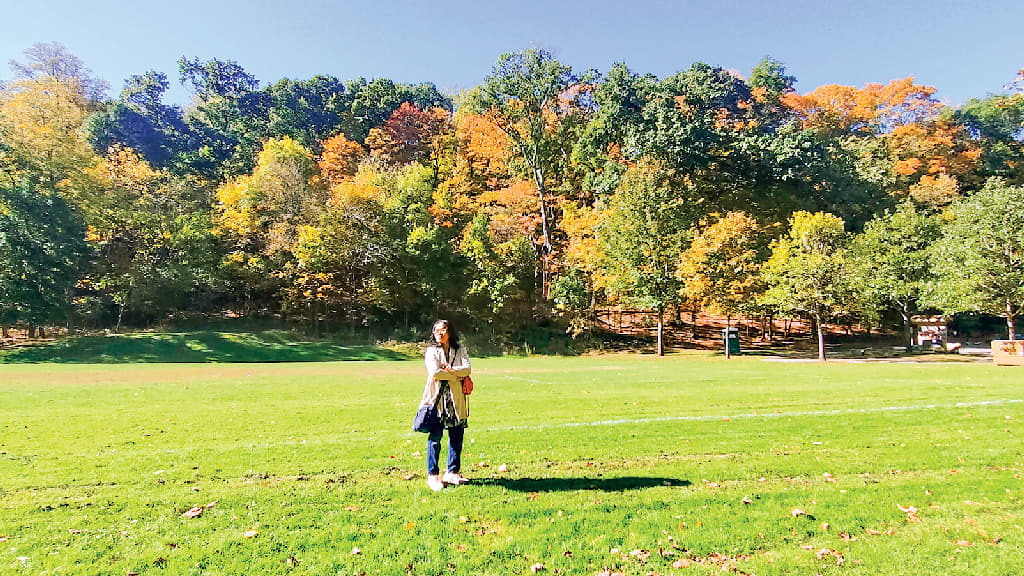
<point x="619" y="484"/>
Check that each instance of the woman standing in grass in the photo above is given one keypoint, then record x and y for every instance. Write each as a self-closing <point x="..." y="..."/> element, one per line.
<point x="447" y="364"/>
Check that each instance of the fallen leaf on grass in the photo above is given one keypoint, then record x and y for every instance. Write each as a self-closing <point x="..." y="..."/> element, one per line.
<point x="910" y="511"/>
<point x="292" y="561"/>
<point x="356" y="551"/>
<point x="829" y="478"/>
<point x="641" y="555"/>
<point x="682" y="563"/>
<point x="193" y="512"/>
<point x="747" y="500"/>
<point x="249" y="534"/>
<point x="408" y="476"/>
<point x="797" y="512"/>
<point x="538" y="567"/>
<point x="352" y="508"/>
<point x="964" y="543"/>
<point x="503" y="468"/>
<point x="827" y="552"/>
<point x="872" y="531"/>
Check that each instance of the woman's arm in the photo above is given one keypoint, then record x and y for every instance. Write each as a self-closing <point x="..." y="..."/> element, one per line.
<point x="433" y="362"/>
<point x="460" y="367"/>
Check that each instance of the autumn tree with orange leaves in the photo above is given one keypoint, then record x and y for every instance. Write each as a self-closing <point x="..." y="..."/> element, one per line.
<point x="532" y="97"/>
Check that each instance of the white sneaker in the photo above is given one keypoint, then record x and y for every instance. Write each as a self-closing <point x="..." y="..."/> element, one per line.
<point x="435" y="483"/>
<point x="454" y="478"/>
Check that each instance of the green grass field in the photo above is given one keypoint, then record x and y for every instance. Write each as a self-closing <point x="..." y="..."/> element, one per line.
<point x="629" y="464"/>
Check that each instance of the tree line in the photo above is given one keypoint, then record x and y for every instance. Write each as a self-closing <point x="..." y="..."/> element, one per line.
<point x="537" y="197"/>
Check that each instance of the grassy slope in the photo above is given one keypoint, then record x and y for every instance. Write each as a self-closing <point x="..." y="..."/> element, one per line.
<point x="629" y="463"/>
<point x="200" y="346"/>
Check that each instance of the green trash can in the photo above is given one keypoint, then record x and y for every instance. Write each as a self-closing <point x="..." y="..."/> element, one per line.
<point x="731" y="340"/>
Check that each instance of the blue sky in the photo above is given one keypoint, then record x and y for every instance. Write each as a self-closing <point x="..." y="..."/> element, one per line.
<point x="963" y="48"/>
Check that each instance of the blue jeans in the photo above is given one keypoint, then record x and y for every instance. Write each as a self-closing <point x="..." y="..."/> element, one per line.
<point x="455" y="436"/>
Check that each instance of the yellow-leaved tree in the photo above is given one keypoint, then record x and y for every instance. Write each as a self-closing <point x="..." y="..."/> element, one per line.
<point x="40" y="121"/>
<point x="719" y="271"/>
<point x="261" y="214"/>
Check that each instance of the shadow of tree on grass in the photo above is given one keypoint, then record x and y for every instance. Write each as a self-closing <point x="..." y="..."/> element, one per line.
<point x="271" y="346"/>
<point x="620" y="484"/>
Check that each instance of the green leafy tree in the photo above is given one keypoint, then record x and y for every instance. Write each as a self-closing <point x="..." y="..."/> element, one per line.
<point x="619" y="98"/>
<point x="42" y="255"/>
<point x="502" y="272"/>
<point x="642" y="238"/>
<point x="890" y="266"/>
<point x="806" y="272"/>
<point x="150" y="235"/>
<point x="141" y="121"/>
<point x="375" y="101"/>
<point x="997" y="123"/>
<point x="979" y="260"/>
<point x="771" y="77"/>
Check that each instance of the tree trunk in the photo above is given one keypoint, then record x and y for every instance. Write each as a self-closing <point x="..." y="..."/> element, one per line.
<point x="1011" y="325"/>
<point x="661" y="343"/>
<point x="546" y="248"/>
<point x="42" y="332"/>
<point x="821" y="338"/>
<point x="728" y="354"/>
<point x="908" y="330"/>
<point x="31" y="331"/>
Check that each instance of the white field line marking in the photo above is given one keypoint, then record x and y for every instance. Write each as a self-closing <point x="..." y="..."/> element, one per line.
<point x="764" y="415"/>
<point x="507" y="377"/>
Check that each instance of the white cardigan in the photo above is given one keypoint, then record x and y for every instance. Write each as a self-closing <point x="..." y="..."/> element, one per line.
<point x="458" y="364"/>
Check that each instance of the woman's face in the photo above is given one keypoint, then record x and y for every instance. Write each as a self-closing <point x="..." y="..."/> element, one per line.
<point x="441" y="333"/>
